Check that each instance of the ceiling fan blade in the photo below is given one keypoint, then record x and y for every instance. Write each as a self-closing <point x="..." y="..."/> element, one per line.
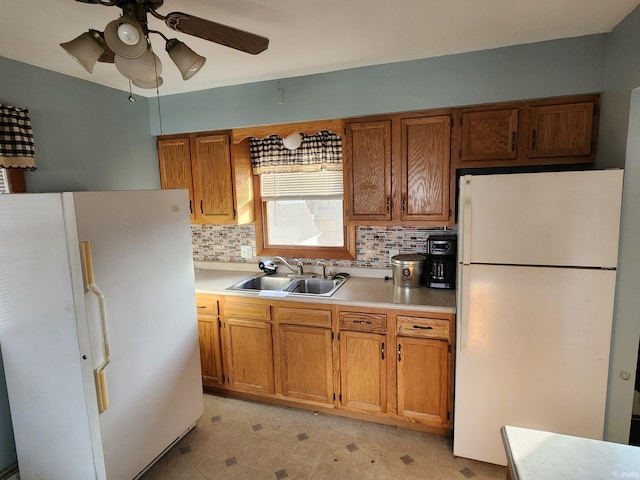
<point x="217" y="33"/>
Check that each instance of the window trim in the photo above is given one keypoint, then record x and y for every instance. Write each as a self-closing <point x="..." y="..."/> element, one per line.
<point x="15" y="180"/>
<point x="347" y="252"/>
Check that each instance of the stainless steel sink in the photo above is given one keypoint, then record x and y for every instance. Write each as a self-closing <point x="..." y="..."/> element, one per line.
<point x="315" y="286"/>
<point x="264" y="282"/>
<point x="285" y="285"/>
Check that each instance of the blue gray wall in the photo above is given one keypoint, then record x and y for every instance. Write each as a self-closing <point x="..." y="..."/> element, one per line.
<point x="544" y="69"/>
<point x="87" y="137"/>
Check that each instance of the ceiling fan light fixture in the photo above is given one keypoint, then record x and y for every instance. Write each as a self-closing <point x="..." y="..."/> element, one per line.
<point x="125" y="37"/>
<point x="188" y="62"/>
<point x="144" y="68"/>
<point x="152" y="84"/>
<point x="86" y="49"/>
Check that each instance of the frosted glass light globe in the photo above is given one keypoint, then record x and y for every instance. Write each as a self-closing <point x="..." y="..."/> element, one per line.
<point x="128" y="34"/>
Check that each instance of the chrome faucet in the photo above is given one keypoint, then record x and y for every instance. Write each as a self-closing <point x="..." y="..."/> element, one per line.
<point x="324" y="269"/>
<point x="299" y="265"/>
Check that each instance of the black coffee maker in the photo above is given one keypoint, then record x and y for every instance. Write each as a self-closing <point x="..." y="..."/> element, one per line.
<point x="441" y="261"/>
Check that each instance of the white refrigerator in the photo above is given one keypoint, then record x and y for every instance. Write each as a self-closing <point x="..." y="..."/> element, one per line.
<point x="537" y="257"/>
<point x="98" y="330"/>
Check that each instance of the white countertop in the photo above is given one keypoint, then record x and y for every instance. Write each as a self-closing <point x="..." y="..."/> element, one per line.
<point x="538" y="455"/>
<point x="357" y="291"/>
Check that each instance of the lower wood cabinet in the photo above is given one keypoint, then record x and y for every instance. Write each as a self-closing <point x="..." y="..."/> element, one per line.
<point x="248" y="346"/>
<point x="303" y="353"/>
<point x="390" y="365"/>
<point x="425" y="368"/>
<point x="363" y="371"/>
<point x="209" y="339"/>
<point x="423" y="380"/>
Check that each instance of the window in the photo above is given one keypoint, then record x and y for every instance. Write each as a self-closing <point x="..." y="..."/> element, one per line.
<point x="4" y="181"/>
<point x="299" y="198"/>
<point x="303" y="208"/>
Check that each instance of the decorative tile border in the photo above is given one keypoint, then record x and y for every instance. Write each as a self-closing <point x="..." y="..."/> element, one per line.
<point x="221" y="243"/>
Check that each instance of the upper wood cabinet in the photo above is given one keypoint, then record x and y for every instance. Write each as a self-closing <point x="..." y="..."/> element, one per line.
<point x="561" y="130"/>
<point x="535" y="132"/>
<point x="489" y="135"/>
<point x="217" y="175"/>
<point x="426" y="146"/>
<point x="174" y="155"/>
<point x="397" y="169"/>
<point x="367" y="160"/>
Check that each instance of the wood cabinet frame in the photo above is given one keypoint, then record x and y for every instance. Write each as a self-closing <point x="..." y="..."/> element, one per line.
<point x="216" y="173"/>
<point x="326" y="326"/>
<point x="389" y="209"/>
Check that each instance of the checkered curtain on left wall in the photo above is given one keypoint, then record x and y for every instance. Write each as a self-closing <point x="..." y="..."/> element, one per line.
<point x="17" y="149"/>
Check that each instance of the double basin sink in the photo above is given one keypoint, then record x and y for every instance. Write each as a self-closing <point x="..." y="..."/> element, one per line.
<point x="285" y="285"/>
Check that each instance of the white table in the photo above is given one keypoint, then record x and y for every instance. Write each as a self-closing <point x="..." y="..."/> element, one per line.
<point x="538" y="455"/>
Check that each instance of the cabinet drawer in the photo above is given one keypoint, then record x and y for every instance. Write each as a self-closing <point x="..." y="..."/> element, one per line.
<point x="206" y="304"/>
<point x="423" y="327"/>
<point x="303" y="316"/>
<point x="364" y="322"/>
<point x="246" y="309"/>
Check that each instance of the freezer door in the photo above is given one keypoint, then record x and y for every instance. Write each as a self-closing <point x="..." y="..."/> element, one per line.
<point x="532" y="351"/>
<point x="557" y="218"/>
<point x="142" y="263"/>
<point x="42" y="358"/>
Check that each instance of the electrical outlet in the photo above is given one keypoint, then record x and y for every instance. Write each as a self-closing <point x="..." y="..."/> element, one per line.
<point x="245" y="251"/>
<point x="393" y="253"/>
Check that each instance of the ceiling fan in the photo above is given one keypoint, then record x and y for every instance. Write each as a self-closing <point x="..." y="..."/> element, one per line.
<point x="125" y="42"/>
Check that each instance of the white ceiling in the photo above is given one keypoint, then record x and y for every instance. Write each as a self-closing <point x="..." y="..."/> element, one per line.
<point x="306" y="36"/>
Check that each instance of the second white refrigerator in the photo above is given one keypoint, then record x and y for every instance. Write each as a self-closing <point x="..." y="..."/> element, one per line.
<point x="536" y="281"/>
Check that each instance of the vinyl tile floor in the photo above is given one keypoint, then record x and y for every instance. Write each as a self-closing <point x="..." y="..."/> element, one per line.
<point x="237" y="439"/>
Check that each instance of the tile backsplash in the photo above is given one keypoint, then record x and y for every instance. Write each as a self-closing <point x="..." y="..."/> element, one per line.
<point x="221" y="243"/>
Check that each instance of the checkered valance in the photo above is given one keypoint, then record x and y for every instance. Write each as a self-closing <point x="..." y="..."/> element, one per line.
<point x="321" y="151"/>
<point x="16" y="138"/>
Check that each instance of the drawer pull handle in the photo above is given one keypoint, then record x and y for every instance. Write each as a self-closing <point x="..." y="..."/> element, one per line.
<point x="420" y="327"/>
<point x="363" y="322"/>
<point x="201" y="306"/>
<point x="382" y="350"/>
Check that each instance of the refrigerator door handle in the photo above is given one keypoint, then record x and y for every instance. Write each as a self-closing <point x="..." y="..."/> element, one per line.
<point x="90" y="286"/>
<point x="463" y="309"/>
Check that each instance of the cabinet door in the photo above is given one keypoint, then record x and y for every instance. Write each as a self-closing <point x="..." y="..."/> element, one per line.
<point x="213" y="178"/>
<point x="305" y="363"/>
<point x="561" y="130"/>
<point x="489" y="135"/>
<point x="363" y="376"/>
<point x="423" y="380"/>
<point x="426" y="147"/>
<point x="210" y="359"/>
<point x="368" y="166"/>
<point x="174" y="158"/>
<point x="249" y="355"/>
